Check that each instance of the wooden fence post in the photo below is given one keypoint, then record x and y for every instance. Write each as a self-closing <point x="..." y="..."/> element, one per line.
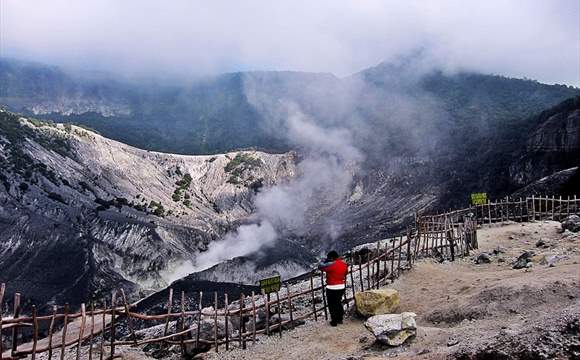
<point x="253" y="319"/>
<point x="81" y="330"/>
<point x="368" y="264"/>
<point x="92" y="314"/>
<point x="64" y="328"/>
<point x="169" y="307"/>
<point x="474" y="231"/>
<point x="279" y="313"/>
<point x="417" y="242"/>
<point x="215" y="321"/>
<point x="323" y="295"/>
<point x="242" y="322"/>
<point x="289" y="296"/>
<point x="435" y="237"/>
<point x="362" y="287"/>
<point x="378" y="261"/>
<point x="267" y="308"/>
<point x="128" y="316"/>
<point x="461" y="231"/>
<point x="409" y="257"/>
<point x="35" y="332"/>
<point x="16" y="314"/>
<point x="393" y="259"/>
<point x="2" y="291"/>
<point x="103" y="320"/>
<point x="199" y="315"/>
<point x="451" y="242"/>
<point x="226" y="313"/>
<point x="312" y="295"/>
<point x="372" y="264"/>
<point x="399" y="261"/>
<point x="385" y="260"/>
<point x="182" y="327"/>
<point x="533" y="208"/>
<point x="425" y="248"/>
<point x="351" y="284"/>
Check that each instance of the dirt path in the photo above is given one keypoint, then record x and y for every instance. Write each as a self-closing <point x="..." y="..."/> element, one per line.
<point x="460" y="306"/>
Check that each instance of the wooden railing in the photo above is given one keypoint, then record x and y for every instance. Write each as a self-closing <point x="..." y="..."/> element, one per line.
<point x="520" y="209"/>
<point x="103" y="329"/>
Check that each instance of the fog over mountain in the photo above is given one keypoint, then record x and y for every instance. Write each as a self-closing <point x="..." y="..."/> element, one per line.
<point x="150" y="38"/>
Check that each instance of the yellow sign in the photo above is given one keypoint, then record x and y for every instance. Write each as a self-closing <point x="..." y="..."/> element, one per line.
<point x="270" y="285"/>
<point x="478" y="198"/>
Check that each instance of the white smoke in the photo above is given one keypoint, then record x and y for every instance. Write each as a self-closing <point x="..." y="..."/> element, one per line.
<point x="246" y="240"/>
<point x="324" y="179"/>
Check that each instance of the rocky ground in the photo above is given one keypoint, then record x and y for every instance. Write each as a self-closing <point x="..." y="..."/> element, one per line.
<point x="466" y="310"/>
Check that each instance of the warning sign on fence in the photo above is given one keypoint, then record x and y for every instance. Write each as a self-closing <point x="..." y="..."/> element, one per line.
<point x="478" y="198"/>
<point x="270" y="285"/>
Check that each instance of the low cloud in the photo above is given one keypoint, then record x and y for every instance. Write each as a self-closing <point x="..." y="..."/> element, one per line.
<point x="535" y="39"/>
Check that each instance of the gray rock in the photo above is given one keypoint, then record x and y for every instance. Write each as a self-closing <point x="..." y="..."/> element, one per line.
<point x="571" y="223"/>
<point x="498" y="250"/>
<point x="540" y="243"/>
<point x="437" y="256"/>
<point x="523" y="260"/>
<point x="553" y="259"/>
<point x="452" y="341"/>
<point x="206" y="332"/>
<point x="392" y="329"/>
<point x="483" y="258"/>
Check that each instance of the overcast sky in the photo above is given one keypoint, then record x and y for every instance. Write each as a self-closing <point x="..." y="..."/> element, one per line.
<point x="538" y="39"/>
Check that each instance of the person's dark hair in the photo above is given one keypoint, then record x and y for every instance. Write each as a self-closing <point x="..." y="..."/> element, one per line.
<point x="333" y="255"/>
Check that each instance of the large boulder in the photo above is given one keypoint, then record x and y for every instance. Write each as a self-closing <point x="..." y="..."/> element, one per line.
<point x="376" y="302"/>
<point x="571" y="223"/>
<point x="392" y="329"/>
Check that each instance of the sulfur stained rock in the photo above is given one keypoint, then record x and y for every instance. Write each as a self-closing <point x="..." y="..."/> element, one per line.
<point x="377" y="302"/>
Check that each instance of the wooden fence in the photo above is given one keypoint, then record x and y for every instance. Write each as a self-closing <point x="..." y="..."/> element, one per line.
<point x="519" y="210"/>
<point x="235" y="324"/>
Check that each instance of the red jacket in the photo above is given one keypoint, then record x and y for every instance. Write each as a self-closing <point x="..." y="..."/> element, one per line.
<point x="335" y="272"/>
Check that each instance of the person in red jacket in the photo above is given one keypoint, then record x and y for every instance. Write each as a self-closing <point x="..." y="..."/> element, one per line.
<point x="336" y="270"/>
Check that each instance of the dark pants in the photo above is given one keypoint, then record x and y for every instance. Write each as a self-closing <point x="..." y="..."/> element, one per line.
<point x="334" y="298"/>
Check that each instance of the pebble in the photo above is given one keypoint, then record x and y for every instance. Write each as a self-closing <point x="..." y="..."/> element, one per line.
<point x="452" y="342"/>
